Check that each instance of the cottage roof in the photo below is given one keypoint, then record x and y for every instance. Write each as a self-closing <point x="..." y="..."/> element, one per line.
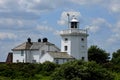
<point x="23" y="46"/>
<point x="60" y="55"/>
<point x="32" y="46"/>
<point x="38" y="45"/>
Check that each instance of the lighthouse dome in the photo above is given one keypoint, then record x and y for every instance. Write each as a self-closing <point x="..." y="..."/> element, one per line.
<point x="74" y="19"/>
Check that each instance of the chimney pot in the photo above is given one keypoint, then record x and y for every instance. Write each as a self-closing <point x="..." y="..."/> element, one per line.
<point x="29" y="40"/>
<point x="39" y="40"/>
<point x="45" y="40"/>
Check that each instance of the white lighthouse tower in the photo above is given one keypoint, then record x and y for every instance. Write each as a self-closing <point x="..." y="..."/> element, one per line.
<point x="74" y="40"/>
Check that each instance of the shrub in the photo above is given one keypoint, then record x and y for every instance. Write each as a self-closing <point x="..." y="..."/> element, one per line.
<point x="48" y="68"/>
<point x="78" y="70"/>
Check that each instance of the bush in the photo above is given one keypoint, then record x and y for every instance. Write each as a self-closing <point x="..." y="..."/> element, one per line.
<point x="48" y="68"/>
<point x="78" y="70"/>
<point x="74" y="70"/>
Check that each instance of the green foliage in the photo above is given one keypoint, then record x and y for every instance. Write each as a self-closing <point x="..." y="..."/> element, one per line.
<point x="18" y="71"/>
<point x="26" y="71"/>
<point x="74" y="70"/>
<point x="98" y="55"/>
<point x="48" y="68"/>
<point x="117" y="76"/>
<point x="78" y="70"/>
<point x="98" y="73"/>
<point x="116" y="61"/>
<point x="116" y="57"/>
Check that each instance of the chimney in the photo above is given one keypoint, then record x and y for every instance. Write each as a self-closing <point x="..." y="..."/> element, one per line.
<point x="9" y="58"/>
<point x="45" y="40"/>
<point x="29" y="40"/>
<point x="39" y="40"/>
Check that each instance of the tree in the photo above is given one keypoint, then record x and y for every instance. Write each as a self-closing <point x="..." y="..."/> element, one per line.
<point x="97" y="54"/>
<point x="48" y="68"/>
<point x="79" y="70"/>
<point x="116" y="57"/>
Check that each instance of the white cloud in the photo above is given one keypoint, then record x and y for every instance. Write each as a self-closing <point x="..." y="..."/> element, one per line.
<point x="6" y="35"/>
<point x="35" y="6"/>
<point x="116" y="27"/>
<point x="47" y="29"/>
<point x="44" y="28"/>
<point x="97" y="24"/>
<point x="114" y="6"/>
<point x="115" y="37"/>
<point x="38" y="6"/>
<point x="98" y="21"/>
<point x="86" y="2"/>
<point x="64" y="18"/>
<point x="26" y="9"/>
<point x="93" y="28"/>
<point x="11" y="23"/>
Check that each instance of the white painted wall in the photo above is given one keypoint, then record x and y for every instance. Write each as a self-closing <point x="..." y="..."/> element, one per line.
<point x="34" y="56"/>
<point x="62" y="60"/>
<point x="76" y="47"/>
<point x="46" y="57"/>
<point x="47" y="48"/>
<point x="79" y="47"/>
<point x="17" y="56"/>
<point x="66" y="43"/>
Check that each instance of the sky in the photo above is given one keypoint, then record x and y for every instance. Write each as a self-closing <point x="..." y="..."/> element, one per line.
<point x="20" y="19"/>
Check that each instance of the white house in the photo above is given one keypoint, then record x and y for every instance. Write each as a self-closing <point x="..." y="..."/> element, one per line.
<point x="31" y="52"/>
<point x="73" y="46"/>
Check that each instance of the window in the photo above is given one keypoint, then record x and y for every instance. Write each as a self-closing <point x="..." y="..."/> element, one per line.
<point x="67" y="60"/>
<point x="83" y="46"/>
<point x="43" y="51"/>
<point x="83" y="58"/>
<point x="66" y="39"/>
<point x="73" y="24"/>
<point x="64" y="60"/>
<point x="22" y="53"/>
<point x="65" y="48"/>
<point x="17" y="61"/>
<point x="57" y="61"/>
<point x="82" y="39"/>
<point x="33" y="61"/>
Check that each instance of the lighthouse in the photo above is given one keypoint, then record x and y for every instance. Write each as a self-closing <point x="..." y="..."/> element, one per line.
<point x="74" y="40"/>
